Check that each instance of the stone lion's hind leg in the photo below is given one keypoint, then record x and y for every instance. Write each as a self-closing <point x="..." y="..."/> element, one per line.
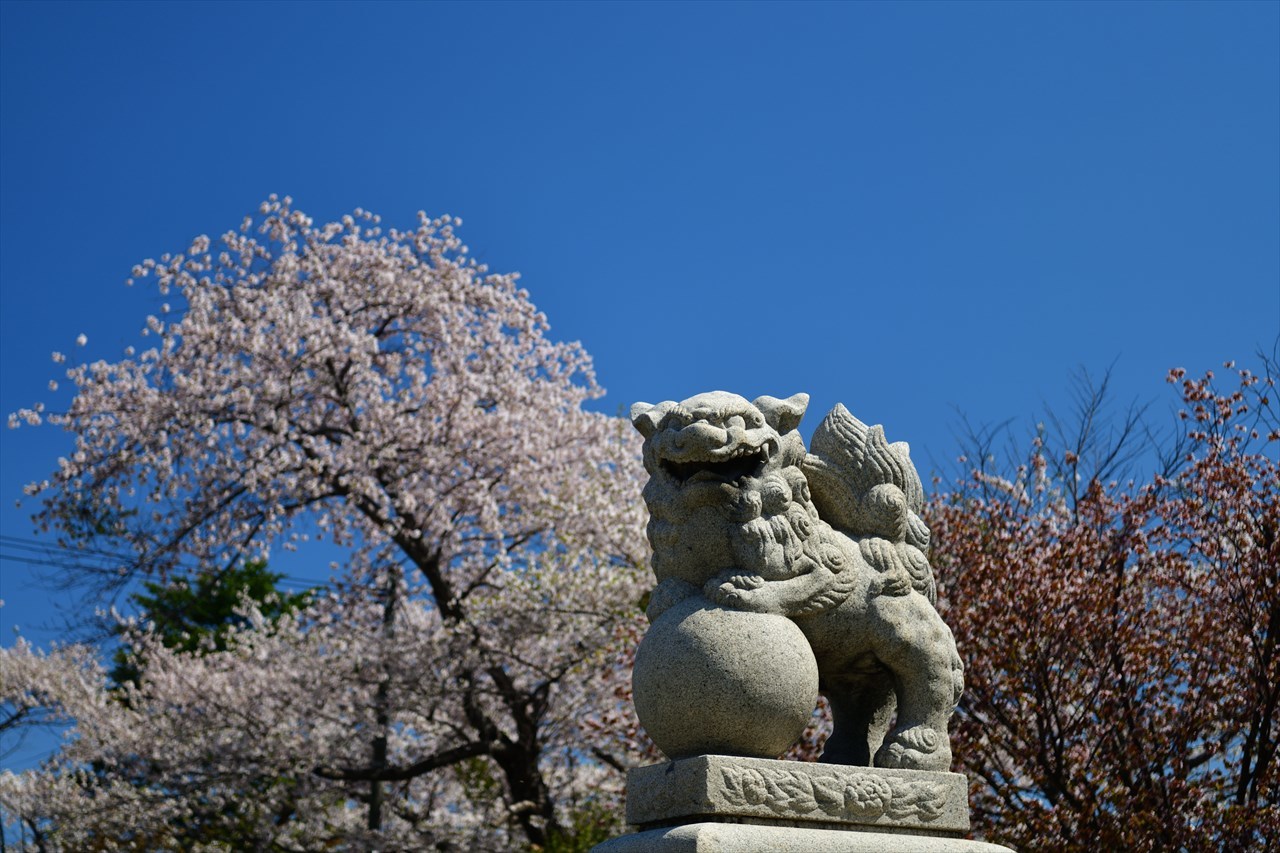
<point x="917" y="646"/>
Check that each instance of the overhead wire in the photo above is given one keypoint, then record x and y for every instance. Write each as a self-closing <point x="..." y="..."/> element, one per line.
<point x="16" y="549"/>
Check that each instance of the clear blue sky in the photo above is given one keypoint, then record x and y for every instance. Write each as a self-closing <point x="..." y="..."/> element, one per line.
<point x="905" y="207"/>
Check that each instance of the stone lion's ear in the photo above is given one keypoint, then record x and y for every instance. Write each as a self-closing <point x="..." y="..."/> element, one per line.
<point x="783" y="415"/>
<point x="645" y="416"/>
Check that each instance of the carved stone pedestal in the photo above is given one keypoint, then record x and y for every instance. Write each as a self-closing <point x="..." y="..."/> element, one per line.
<point x="752" y="805"/>
<point x="752" y="838"/>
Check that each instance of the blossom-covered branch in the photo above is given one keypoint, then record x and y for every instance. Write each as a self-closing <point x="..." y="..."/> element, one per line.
<point x="382" y="392"/>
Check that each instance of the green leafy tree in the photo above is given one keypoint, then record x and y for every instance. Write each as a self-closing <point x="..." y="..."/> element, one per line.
<point x="199" y="614"/>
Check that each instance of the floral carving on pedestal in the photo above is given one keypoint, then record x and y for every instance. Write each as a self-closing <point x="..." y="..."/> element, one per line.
<point x="851" y="796"/>
<point x="867" y="797"/>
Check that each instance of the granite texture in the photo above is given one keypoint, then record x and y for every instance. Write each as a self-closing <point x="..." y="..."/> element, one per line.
<point x="751" y="838"/>
<point x="713" y="679"/>
<point x="724" y="787"/>
<point x="744" y="518"/>
<point x="781" y="572"/>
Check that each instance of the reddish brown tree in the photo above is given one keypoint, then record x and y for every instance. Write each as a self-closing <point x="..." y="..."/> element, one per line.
<point x="1120" y="637"/>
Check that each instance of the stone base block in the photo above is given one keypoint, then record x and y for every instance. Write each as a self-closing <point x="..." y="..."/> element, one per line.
<point x="819" y="796"/>
<point x="752" y="838"/>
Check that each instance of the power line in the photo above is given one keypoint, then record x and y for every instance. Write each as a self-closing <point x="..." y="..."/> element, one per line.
<point x="19" y="541"/>
<point x="50" y="554"/>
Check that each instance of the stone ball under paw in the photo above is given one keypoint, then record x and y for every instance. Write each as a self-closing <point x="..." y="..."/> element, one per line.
<point x="710" y="680"/>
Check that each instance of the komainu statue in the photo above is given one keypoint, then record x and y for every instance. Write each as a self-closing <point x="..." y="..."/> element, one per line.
<point x="743" y="519"/>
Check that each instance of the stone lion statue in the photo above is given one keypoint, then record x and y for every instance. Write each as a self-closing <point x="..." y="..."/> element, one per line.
<point x="741" y="514"/>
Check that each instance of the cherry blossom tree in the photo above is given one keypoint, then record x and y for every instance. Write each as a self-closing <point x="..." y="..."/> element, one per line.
<point x="198" y="616"/>
<point x="380" y="392"/>
<point x="1122" y="670"/>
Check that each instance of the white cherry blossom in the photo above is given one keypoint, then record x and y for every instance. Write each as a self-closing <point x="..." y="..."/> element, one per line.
<point x="381" y="390"/>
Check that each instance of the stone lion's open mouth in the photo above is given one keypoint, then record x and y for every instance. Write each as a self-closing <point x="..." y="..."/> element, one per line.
<point x="743" y="462"/>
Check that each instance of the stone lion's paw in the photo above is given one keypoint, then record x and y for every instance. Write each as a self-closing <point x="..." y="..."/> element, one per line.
<point x="895" y="582"/>
<point x="917" y="748"/>
<point x="740" y="592"/>
<point x="729" y="596"/>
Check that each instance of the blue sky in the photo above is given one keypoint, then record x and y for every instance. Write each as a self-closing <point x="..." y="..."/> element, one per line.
<point x="912" y="208"/>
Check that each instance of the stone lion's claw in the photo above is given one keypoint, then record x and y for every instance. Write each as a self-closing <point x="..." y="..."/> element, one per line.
<point x="732" y="591"/>
<point x="717" y="590"/>
<point x="918" y="748"/>
<point x="893" y="582"/>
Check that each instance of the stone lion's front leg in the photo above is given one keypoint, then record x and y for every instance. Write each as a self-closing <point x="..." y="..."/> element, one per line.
<point x="790" y="597"/>
<point x="740" y="590"/>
